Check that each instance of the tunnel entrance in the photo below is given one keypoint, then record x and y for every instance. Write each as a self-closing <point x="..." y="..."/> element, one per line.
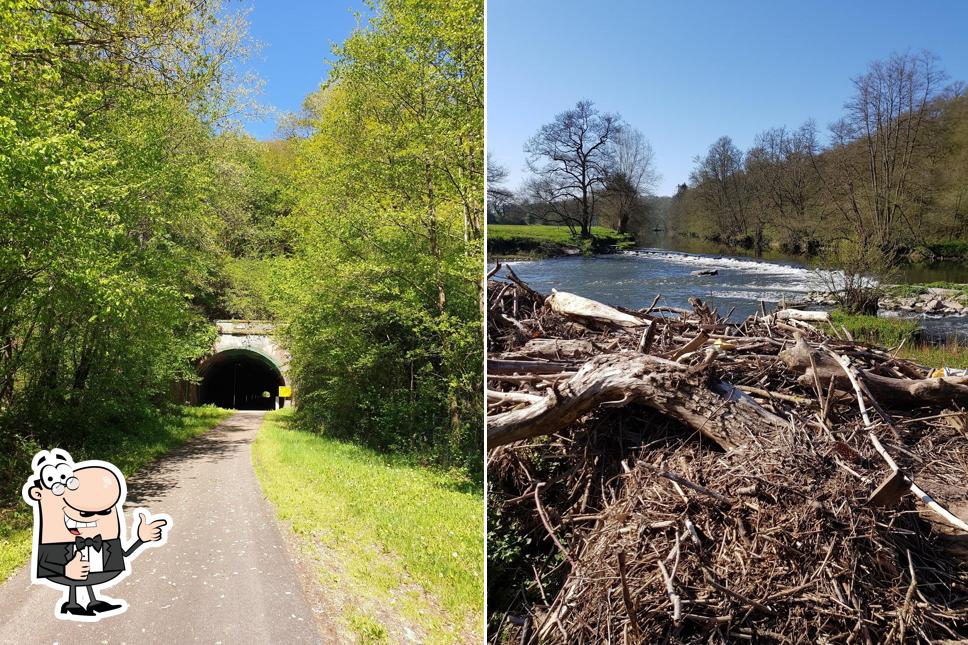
<point x="240" y="379"/>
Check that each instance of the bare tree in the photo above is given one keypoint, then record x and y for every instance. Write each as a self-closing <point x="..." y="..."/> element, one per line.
<point x="632" y="176"/>
<point x="783" y="182"/>
<point x="569" y="161"/>
<point x="877" y="172"/>
<point x="879" y="180"/>
<point x="720" y="184"/>
<point x="498" y="196"/>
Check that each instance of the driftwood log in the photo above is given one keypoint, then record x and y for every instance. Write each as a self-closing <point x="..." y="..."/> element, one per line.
<point x="800" y="314"/>
<point x="718" y="411"/>
<point x="894" y="392"/>
<point x="558" y="348"/>
<point x="590" y="311"/>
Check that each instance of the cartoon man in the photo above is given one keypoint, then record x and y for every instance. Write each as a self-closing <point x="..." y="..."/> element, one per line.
<point x="79" y="532"/>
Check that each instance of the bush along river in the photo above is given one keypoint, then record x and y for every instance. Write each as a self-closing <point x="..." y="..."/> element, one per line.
<point x="633" y="278"/>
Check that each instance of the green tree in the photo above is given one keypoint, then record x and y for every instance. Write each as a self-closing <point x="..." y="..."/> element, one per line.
<point x="385" y="286"/>
<point x="106" y="182"/>
<point x="570" y="162"/>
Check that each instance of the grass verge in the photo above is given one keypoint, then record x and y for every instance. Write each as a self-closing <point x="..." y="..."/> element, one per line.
<point x="950" y="354"/>
<point x="406" y="537"/>
<point x="543" y="240"/>
<point x="128" y="449"/>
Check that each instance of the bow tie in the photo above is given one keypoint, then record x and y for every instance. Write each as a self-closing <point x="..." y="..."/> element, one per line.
<point x="82" y="543"/>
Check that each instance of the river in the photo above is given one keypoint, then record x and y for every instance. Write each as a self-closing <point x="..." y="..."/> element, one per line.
<point x="633" y="278"/>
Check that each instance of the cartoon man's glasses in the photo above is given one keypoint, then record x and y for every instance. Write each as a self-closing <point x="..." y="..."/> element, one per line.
<point x="58" y="477"/>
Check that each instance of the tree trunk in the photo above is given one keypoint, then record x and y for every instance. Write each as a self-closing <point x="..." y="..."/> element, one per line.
<point x="623" y="222"/>
<point x="716" y="410"/>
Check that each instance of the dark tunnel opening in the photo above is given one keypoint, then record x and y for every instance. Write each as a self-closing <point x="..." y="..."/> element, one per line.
<point x="241" y="380"/>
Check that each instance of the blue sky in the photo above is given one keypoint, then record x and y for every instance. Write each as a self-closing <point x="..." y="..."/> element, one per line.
<point x="687" y="72"/>
<point x="296" y="40"/>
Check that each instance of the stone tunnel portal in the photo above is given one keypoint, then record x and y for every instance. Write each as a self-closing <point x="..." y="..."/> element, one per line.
<point x="240" y="379"/>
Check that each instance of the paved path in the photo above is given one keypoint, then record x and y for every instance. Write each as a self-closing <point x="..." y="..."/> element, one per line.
<point x="223" y="577"/>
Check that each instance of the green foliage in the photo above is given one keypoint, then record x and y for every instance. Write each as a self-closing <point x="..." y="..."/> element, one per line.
<point x="250" y="291"/>
<point x="949" y="249"/>
<point x="933" y="356"/>
<point x="892" y="332"/>
<point x="549" y="240"/>
<point x="253" y="198"/>
<point x="107" y="227"/>
<point x="367" y="629"/>
<point x="382" y="307"/>
<point x="907" y="290"/>
<point x="401" y="530"/>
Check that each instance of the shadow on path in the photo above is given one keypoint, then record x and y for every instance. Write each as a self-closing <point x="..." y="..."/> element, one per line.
<point x="159" y="478"/>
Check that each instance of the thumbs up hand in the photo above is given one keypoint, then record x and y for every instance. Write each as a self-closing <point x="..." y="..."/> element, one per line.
<point x="77" y="569"/>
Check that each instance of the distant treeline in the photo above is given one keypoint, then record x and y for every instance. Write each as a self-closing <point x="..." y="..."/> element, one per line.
<point x="892" y="177"/>
<point x="889" y="179"/>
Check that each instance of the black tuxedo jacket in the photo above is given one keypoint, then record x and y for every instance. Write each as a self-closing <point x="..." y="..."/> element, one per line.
<point x="52" y="558"/>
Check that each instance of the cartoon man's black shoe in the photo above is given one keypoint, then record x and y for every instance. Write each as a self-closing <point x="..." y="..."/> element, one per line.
<point x="75" y="609"/>
<point x="100" y="606"/>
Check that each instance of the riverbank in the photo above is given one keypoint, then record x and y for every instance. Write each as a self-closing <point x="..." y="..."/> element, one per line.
<point x="935" y="262"/>
<point x="905" y="337"/>
<point x="535" y="241"/>
<point x="932" y="298"/>
<point x="953" y="251"/>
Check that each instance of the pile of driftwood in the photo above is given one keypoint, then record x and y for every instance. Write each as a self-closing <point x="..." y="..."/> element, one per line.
<point x="680" y="476"/>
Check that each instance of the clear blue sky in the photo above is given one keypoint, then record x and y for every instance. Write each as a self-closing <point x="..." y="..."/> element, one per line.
<point x="296" y="38"/>
<point x="687" y="72"/>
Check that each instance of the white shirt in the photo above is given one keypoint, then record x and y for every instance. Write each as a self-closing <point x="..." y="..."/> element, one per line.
<point x="94" y="557"/>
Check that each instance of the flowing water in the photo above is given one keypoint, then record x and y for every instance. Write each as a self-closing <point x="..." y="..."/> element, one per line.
<point x="632" y="279"/>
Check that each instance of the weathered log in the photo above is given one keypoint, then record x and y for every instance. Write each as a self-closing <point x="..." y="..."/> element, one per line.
<point x="500" y="366"/>
<point x="889" y="391"/>
<point x="557" y="348"/>
<point x="730" y="419"/>
<point x="797" y="314"/>
<point x="584" y="309"/>
<point x="513" y="397"/>
<point x="648" y="335"/>
<point x="691" y="346"/>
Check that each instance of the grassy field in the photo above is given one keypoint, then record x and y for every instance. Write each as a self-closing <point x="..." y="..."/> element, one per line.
<point x="129" y="451"/>
<point x="408" y="541"/>
<point x="545" y="232"/>
<point x="541" y="240"/>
